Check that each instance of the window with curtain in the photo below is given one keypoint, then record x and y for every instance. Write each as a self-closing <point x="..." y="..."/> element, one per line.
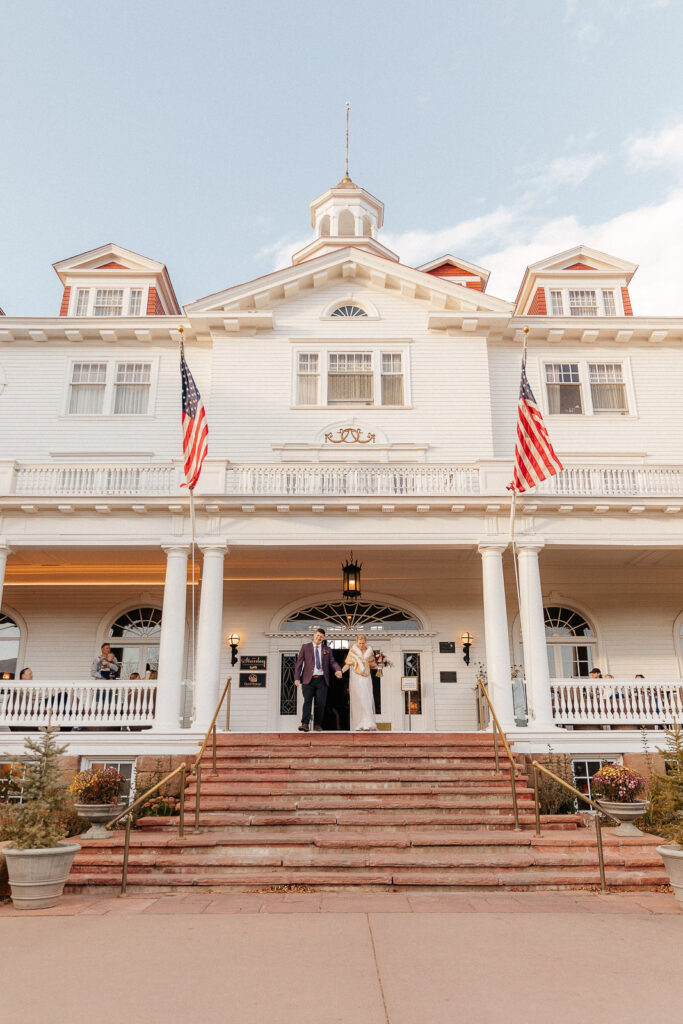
<point x="392" y="378"/>
<point x="609" y="304"/>
<point x="308" y="375"/>
<point x="564" y="388"/>
<point x="108" y="302"/>
<point x="349" y="378"/>
<point x="556" y="303"/>
<point x="583" y="302"/>
<point x="608" y="390"/>
<point x="307" y="378"/>
<point x="82" y="298"/>
<point x="135" y="302"/>
<point x="88" y="382"/>
<point x="131" y="388"/>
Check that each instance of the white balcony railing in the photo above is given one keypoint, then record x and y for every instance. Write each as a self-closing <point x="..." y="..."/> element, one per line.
<point x="616" y="481"/>
<point x="95" y="704"/>
<point x="631" y="702"/>
<point x="329" y="479"/>
<point x="96" y="481"/>
<point x="319" y="480"/>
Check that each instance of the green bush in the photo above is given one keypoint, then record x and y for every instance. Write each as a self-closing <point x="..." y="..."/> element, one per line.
<point x="38" y="823"/>
<point x="665" y="813"/>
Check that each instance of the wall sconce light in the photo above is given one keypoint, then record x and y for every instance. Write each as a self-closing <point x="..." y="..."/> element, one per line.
<point x="466" y="640"/>
<point x="234" y="641"/>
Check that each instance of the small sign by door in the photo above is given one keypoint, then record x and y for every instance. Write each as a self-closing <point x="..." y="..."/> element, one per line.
<point x="409" y="684"/>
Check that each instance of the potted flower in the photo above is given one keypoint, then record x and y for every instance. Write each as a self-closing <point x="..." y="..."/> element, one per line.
<point x="38" y="861"/>
<point x="618" y="789"/>
<point x="97" y="793"/>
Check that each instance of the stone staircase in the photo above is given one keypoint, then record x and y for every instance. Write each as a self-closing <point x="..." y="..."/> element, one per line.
<point x="381" y="811"/>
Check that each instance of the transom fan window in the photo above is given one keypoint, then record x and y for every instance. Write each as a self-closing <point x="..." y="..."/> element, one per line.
<point x="338" y="617"/>
<point x="135" y="639"/>
<point x="570" y="643"/>
<point x="349" y="309"/>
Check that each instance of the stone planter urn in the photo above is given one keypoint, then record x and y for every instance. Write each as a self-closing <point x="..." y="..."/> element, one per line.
<point x="673" y="862"/>
<point x="626" y="813"/>
<point x="98" y="815"/>
<point x="37" y="877"/>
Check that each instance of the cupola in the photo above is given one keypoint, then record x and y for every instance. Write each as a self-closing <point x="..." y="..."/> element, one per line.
<point x="342" y="216"/>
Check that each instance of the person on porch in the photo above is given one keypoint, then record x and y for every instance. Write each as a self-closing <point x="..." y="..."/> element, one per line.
<point x="312" y="672"/>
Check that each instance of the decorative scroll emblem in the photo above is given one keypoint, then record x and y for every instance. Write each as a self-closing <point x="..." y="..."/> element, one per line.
<point x="349" y="435"/>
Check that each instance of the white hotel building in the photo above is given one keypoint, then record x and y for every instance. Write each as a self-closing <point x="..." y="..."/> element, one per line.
<point x="354" y="403"/>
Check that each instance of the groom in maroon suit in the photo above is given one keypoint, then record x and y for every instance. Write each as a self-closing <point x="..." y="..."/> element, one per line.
<point x="312" y="673"/>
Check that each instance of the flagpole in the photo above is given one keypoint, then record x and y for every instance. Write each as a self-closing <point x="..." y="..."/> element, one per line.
<point x="193" y="656"/>
<point x="513" y="508"/>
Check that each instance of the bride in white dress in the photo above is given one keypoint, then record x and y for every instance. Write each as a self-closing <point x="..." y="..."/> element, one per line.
<point x="359" y="662"/>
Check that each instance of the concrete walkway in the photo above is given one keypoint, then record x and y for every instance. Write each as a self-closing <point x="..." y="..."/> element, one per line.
<point x="345" y="958"/>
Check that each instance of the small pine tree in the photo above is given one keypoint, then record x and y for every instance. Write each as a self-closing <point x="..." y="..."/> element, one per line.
<point x="665" y="813"/>
<point x="35" y="824"/>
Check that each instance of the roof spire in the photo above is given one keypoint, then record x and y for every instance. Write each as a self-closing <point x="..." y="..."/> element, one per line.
<point x="346" y="166"/>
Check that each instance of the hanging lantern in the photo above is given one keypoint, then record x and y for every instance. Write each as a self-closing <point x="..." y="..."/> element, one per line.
<point x="351" y="579"/>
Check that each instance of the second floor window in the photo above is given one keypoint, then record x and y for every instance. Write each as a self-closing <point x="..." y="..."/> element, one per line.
<point x="564" y="388"/>
<point x="590" y="388"/>
<point x="351" y="378"/>
<point x="105" y="388"/>
<point x="608" y="390"/>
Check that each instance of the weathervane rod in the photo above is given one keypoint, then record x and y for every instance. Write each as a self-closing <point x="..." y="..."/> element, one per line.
<point x="348" y="107"/>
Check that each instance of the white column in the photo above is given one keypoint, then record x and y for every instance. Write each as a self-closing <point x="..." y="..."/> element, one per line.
<point x="533" y="636"/>
<point x="5" y="550"/>
<point x="496" y="629"/>
<point x="172" y="643"/>
<point x="209" y="634"/>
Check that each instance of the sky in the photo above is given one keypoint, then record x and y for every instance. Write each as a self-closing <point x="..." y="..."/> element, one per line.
<point x="197" y="133"/>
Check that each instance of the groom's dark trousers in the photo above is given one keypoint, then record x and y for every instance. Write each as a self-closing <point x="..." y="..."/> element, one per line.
<point x="315" y="690"/>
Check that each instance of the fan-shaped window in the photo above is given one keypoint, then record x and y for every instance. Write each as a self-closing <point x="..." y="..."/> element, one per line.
<point x="347" y="224"/>
<point x="135" y="640"/>
<point x="348" y="310"/>
<point x="570" y="643"/>
<point x="339" y="617"/>
<point x="10" y="635"/>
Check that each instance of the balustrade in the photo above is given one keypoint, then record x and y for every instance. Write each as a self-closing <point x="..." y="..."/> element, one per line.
<point x="353" y="480"/>
<point x="94" y="704"/>
<point x="98" y="481"/>
<point x="639" y="702"/>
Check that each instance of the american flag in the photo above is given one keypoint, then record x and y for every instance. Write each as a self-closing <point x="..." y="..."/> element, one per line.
<point x="535" y="458"/>
<point x="195" y="427"/>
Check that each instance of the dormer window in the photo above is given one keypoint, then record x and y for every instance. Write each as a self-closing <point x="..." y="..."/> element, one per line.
<point x="582" y="302"/>
<point x="108" y="302"/>
<point x="349" y="310"/>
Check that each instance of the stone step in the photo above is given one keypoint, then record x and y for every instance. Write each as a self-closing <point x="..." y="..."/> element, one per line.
<point x="245" y="773"/>
<point x="381" y="738"/>
<point x="368" y="820"/>
<point x="349" y="763"/>
<point x="228" y="787"/>
<point x="483" y="799"/>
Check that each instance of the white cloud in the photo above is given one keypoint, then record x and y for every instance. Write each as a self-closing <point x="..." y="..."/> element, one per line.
<point x="660" y="148"/>
<point x="567" y="170"/>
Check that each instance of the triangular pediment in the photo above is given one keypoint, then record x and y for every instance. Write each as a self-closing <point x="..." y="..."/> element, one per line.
<point x="582" y="258"/>
<point x="109" y="257"/>
<point x="350" y="264"/>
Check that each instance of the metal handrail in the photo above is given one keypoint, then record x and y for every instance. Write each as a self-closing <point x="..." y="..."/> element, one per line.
<point x="127" y="813"/>
<point x="513" y="767"/>
<point x="182" y="769"/>
<point x="582" y="796"/>
<point x="196" y="767"/>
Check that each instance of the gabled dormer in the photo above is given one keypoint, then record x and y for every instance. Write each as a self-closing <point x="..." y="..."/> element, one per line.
<point x="579" y="282"/>
<point x="114" y="282"/>
<point x="457" y="271"/>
